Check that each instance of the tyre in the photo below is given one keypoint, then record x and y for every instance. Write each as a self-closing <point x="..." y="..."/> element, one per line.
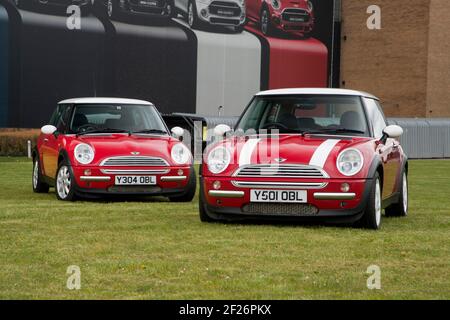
<point x="204" y="217"/>
<point x="239" y="29"/>
<point x="192" y="17"/>
<point x="400" y="209"/>
<point x="38" y="185"/>
<point x="190" y="189"/>
<point x="65" y="183"/>
<point x="372" y="214"/>
<point x="266" y="26"/>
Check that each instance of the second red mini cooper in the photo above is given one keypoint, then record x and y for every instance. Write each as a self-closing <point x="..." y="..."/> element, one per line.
<point x="291" y="16"/>
<point x="110" y="146"/>
<point x="315" y="154"/>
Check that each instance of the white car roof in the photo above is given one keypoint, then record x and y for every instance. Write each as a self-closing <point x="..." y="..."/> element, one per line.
<point x="105" y="101"/>
<point x="324" y="91"/>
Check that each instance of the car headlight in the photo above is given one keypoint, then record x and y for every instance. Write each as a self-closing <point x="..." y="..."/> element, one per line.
<point x="310" y="6"/>
<point x="350" y="162"/>
<point x="180" y="154"/>
<point x="84" y="153"/>
<point x="276" y="4"/>
<point x="218" y="160"/>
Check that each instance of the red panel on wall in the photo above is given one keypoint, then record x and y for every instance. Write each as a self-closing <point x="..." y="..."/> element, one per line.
<point x="295" y="62"/>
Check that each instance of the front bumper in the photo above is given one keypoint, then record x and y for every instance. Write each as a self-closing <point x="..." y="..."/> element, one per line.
<point x="209" y="12"/>
<point x="326" y="202"/>
<point x="101" y="180"/>
<point x="281" y="22"/>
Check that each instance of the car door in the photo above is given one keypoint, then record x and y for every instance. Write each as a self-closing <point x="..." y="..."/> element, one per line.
<point x="51" y="142"/>
<point x="389" y="152"/>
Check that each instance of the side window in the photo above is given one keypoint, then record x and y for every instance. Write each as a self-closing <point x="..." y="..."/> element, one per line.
<point x="60" y="117"/>
<point x="56" y="115"/>
<point x="376" y="117"/>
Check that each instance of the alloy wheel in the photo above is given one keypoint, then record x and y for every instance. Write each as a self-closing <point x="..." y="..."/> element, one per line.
<point x="110" y="8"/>
<point x="377" y="202"/>
<point x="190" y="14"/>
<point x="405" y="194"/>
<point x="63" y="182"/>
<point x="35" y="174"/>
<point x="264" y="22"/>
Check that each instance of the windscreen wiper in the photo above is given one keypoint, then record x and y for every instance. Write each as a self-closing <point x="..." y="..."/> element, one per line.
<point x="103" y="130"/>
<point x="149" y="131"/>
<point x="333" y="130"/>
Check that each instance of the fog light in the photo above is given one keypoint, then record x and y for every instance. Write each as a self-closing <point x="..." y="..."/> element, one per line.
<point x="345" y="187"/>
<point x="216" y="185"/>
<point x="204" y="13"/>
<point x="87" y="172"/>
<point x="180" y="172"/>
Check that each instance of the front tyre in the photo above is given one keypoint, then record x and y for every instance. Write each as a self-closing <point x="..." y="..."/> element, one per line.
<point x="38" y="185"/>
<point x="65" y="183"/>
<point x="203" y="214"/>
<point x="372" y="214"/>
<point x="400" y="209"/>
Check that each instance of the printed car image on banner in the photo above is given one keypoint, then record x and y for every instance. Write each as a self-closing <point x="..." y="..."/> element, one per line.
<point x="190" y="56"/>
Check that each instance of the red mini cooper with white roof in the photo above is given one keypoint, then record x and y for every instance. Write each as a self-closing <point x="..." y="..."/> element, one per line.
<point x="312" y="154"/>
<point x="111" y="146"/>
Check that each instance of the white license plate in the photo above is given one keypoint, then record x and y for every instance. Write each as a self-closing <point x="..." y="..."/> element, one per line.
<point x="225" y="12"/>
<point x="135" y="180"/>
<point x="291" y="196"/>
<point x="297" y="19"/>
<point x="149" y="3"/>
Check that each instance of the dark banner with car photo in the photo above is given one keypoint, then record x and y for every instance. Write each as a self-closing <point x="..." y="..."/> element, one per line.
<point x="190" y="56"/>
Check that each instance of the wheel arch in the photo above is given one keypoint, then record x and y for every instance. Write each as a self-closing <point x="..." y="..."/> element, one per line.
<point x="63" y="155"/>
<point x="376" y="167"/>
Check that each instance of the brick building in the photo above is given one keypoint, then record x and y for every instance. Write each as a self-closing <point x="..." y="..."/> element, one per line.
<point x="407" y="62"/>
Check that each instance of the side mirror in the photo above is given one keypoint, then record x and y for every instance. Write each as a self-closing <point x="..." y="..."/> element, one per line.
<point x="48" y="129"/>
<point x="393" y="131"/>
<point x="221" y="129"/>
<point x="177" y="132"/>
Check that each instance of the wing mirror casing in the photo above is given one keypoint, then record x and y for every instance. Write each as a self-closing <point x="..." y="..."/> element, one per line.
<point x="221" y="129"/>
<point x="48" y="129"/>
<point x="177" y="132"/>
<point x="393" y="131"/>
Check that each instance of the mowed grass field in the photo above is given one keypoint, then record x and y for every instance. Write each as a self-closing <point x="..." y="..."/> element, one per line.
<point x="160" y="250"/>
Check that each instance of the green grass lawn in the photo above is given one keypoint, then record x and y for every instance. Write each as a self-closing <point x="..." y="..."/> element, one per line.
<point x="160" y="250"/>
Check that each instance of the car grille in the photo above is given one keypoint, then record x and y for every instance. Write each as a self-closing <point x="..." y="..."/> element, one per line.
<point x="295" y="15"/>
<point x="225" y="9"/>
<point x="134" y="162"/>
<point x="277" y="209"/>
<point x="281" y="171"/>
